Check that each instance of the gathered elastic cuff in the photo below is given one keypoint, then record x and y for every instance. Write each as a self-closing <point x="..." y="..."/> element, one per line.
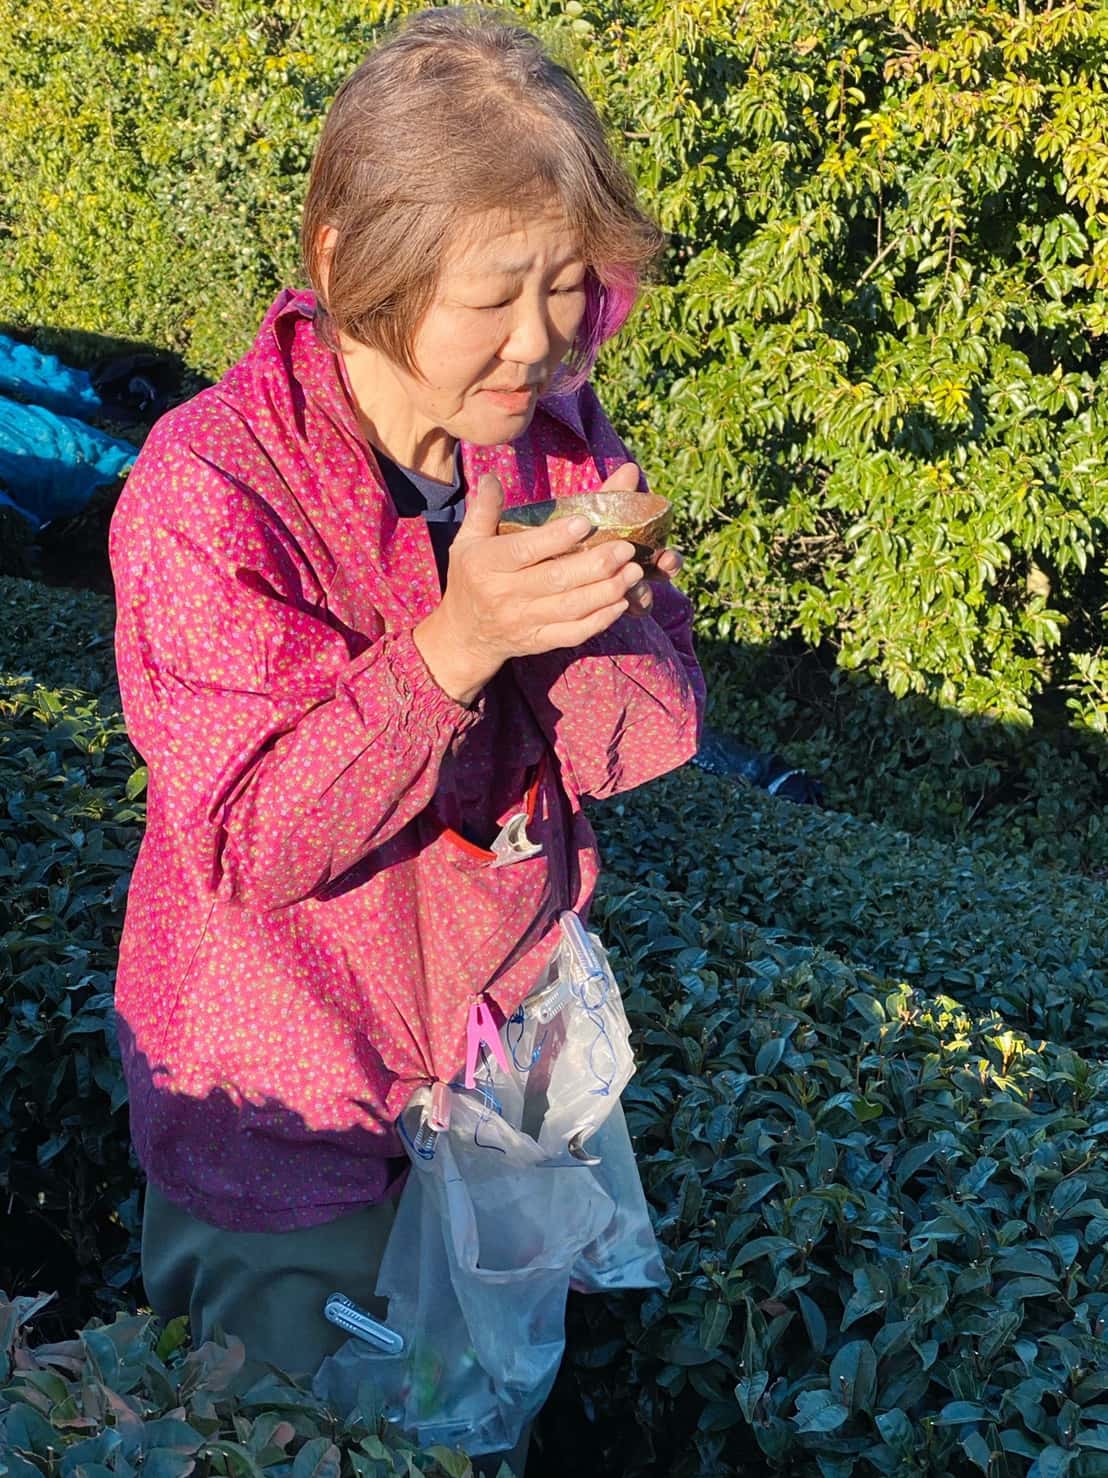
<point x="422" y="704"/>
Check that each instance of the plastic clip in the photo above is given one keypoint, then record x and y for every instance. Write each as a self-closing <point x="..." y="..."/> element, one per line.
<point x="346" y="1315"/>
<point x="584" y="960"/>
<point x="438" y="1117"/>
<point x="512" y="843"/>
<point x="552" y="1001"/>
<point x="481" y="1031"/>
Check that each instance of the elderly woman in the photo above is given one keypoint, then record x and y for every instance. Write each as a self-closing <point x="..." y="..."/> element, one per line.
<point x="344" y="682"/>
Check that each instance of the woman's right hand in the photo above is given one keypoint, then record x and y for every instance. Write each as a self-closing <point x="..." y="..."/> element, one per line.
<point x="509" y="595"/>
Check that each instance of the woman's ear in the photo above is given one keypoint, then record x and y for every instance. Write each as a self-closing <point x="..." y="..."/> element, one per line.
<point x="325" y="245"/>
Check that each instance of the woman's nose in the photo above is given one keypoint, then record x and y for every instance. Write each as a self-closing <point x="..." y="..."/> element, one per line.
<point x="529" y="335"/>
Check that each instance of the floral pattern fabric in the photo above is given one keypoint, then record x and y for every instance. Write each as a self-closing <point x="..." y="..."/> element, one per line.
<point x="314" y="909"/>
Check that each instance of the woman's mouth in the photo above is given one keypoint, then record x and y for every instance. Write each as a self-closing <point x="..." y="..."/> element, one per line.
<point x="516" y="401"/>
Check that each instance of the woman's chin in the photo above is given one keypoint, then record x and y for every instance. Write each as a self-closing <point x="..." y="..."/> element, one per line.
<point x="493" y="428"/>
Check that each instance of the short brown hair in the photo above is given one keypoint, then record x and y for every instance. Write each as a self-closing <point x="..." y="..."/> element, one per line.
<point x="458" y="112"/>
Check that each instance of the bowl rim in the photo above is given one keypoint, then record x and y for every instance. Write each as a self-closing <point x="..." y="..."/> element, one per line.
<point x="654" y="505"/>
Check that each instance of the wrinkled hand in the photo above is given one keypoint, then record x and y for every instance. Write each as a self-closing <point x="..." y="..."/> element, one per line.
<point x="511" y="595"/>
<point x="666" y="564"/>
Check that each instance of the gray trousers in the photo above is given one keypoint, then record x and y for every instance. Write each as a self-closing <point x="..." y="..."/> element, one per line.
<point x="269" y="1288"/>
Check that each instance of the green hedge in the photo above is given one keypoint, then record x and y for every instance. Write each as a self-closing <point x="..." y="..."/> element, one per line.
<point x="885" y="1216"/>
<point x="58" y="638"/>
<point x="872" y="371"/>
<point x="127" y="1397"/>
<point x="69" y="832"/>
<point x="903" y="762"/>
<point x="999" y="931"/>
<point x="869" y="1116"/>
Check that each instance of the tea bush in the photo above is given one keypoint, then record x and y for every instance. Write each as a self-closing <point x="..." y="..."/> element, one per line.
<point x="869" y="1115"/>
<point x="69" y="831"/>
<point x="996" y="930"/>
<point x="126" y="1397"/>
<point x="871" y="373"/>
<point x="884" y="1214"/>
<point x="58" y="638"/>
<point x="1039" y="792"/>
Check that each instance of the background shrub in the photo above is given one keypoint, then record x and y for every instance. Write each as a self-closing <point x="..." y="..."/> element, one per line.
<point x="871" y="373"/>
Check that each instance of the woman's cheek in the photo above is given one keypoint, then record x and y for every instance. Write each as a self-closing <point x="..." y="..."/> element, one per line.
<point x="567" y="319"/>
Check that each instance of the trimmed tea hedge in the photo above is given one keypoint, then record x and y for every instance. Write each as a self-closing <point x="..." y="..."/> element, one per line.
<point x="126" y="1398"/>
<point x="1040" y="792"/>
<point x="998" y="931"/>
<point x="69" y="831"/>
<point x="885" y="1215"/>
<point x="870" y="1116"/>
<point x="59" y="638"/>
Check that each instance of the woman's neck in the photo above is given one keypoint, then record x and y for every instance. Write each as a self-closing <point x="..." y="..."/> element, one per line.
<point x="386" y="420"/>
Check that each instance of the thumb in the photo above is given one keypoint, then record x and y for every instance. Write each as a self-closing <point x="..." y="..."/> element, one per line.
<point x="483" y="513"/>
<point x="624" y="479"/>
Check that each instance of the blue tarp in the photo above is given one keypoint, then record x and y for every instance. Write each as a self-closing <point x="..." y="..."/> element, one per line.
<point x="50" y="464"/>
<point x="28" y="374"/>
<point x="720" y="754"/>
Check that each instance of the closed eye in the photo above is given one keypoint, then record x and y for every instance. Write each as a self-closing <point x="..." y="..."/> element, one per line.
<point x="574" y="287"/>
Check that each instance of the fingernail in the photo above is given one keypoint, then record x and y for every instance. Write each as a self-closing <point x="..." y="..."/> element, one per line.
<point x="579" y="526"/>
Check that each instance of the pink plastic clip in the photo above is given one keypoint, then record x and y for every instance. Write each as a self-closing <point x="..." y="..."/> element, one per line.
<point x="439" y="1116"/>
<point x="481" y="1031"/>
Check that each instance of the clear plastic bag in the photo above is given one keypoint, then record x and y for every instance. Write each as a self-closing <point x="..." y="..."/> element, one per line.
<point x="568" y="1048"/>
<point x="531" y="1188"/>
<point x="476" y="1273"/>
<point x="626" y="1253"/>
<point x="434" y="1388"/>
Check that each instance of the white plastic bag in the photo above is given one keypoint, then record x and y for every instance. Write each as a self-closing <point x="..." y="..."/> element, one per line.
<point x="568" y="1048"/>
<point x="476" y="1273"/>
<point x="533" y="1186"/>
<point x="626" y="1253"/>
<point x="434" y="1388"/>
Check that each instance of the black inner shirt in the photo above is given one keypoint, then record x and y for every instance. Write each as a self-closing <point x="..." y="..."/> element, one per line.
<point x="442" y="504"/>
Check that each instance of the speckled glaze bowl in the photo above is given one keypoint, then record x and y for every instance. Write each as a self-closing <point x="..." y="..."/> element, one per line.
<point x="642" y="518"/>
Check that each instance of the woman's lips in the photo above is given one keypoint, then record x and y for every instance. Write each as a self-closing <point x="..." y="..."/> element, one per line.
<point x="513" y="400"/>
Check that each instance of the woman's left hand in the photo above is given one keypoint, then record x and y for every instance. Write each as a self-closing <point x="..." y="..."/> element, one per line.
<point x="667" y="562"/>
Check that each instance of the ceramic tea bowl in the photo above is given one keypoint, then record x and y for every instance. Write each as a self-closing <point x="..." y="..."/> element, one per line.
<point x="644" y="519"/>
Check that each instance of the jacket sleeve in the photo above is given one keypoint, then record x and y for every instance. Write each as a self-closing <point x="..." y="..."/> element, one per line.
<point x="628" y="705"/>
<point x="278" y="757"/>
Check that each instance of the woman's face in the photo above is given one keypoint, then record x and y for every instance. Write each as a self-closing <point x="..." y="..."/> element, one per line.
<point x="509" y="302"/>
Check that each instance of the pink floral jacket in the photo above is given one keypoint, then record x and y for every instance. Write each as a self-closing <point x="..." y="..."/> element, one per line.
<point x="314" y="908"/>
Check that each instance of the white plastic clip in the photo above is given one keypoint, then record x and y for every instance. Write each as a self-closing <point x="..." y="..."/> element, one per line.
<point x="512" y="844"/>
<point x="585" y="962"/>
<point x="346" y="1315"/>
<point x="552" y="1000"/>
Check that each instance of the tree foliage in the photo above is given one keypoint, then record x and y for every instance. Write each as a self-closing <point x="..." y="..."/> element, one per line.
<point x="871" y="372"/>
<point x="873" y="368"/>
